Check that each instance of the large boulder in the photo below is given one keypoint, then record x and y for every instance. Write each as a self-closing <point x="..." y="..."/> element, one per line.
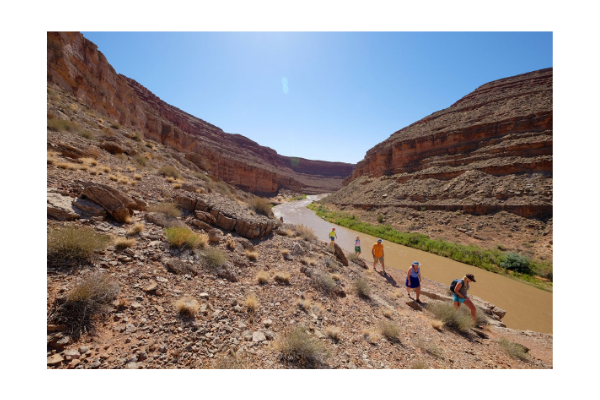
<point x="180" y="267"/>
<point x="67" y="150"/>
<point x="340" y="254"/>
<point x="112" y="145"/>
<point x="116" y="203"/>
<point x="89" y="207"/>
<point x="205" y="217"/>
<point x="215" y="235"/>
<point x="163" y="220"/>
<point x="201" y="225"/>
<point x="225" y="222"/>
<point x="61" y="207"/>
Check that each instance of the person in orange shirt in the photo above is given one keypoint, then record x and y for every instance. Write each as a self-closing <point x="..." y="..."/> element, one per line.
<point x="377" y="253"/>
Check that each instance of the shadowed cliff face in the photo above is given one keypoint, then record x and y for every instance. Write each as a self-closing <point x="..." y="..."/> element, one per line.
<point x="489" y="151"/>
<point x="75" y="64"/>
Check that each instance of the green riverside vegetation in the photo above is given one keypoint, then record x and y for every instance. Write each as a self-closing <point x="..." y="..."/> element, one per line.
<point x="300" y="197"/>
<point x="492" y="260"/>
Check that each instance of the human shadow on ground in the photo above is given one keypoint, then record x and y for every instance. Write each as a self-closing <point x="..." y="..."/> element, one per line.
<point x="389" y="278"/>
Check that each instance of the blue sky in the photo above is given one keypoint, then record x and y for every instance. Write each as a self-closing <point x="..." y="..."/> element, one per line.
<point x="322" y="96"/>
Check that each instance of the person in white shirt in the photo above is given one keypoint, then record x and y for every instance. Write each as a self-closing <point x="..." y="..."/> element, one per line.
<point x="357" y="246"/>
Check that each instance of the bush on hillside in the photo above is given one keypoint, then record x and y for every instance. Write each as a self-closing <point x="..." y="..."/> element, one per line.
<point x="515" y="262"/>
<point x="169" y="209"/>
<point x="305" y="232"/>
<point x="261" y="206"/>
<point x="214" y="258"/>
<point x="74" y="244"/>
<point x="300" y="347"/>
<point x="170" y="171"/>
<point x="185" y="237"/>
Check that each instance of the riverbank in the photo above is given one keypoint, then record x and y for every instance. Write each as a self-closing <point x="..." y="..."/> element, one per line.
<point x="490" y="260"/>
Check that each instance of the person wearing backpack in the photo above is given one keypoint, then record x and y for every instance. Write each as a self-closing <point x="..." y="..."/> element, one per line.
<point x="413" y="279"/>
<point x="459" y="288"/>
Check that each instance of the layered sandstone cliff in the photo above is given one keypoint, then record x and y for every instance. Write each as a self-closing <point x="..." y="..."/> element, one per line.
<point x="489" y="151"/>
<point x="75" y="64"/>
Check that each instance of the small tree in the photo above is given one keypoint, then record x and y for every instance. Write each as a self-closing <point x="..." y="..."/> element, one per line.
<point x="515" y="262"/>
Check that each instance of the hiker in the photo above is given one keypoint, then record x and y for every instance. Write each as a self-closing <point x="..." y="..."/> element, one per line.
<point x="377" y="252"/>
<point x="357" y="246"/>
<point x="460" y="296"/>
<point x="413" y="279"/>
<point x="332" y="236"/>
<point x="281" y="219"/>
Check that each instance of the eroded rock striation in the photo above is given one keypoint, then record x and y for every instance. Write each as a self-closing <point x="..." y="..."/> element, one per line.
<point x="490" y="151"/>
<point x="75" y="64"/>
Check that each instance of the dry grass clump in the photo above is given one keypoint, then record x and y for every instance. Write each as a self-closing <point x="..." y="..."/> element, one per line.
<point x="324" y="282"/>
<point x="334" y="333"/>
<point x="251" y="303"/>
<point x="305" y="232"/>
<point x="141" y="160"/>
<point x="113" y="177"/>
<point x="123" y="243"/>
<point x="431" y="348"/>
<point x="460" y="320"/>
<point x="177" y="186"/>
<point x="304" y="260"/>
<point x="187" y="307"/>
<point x="300" y="347"/>
<point x="170" y="179"/>
<point x="51" y="157"/>
<point x="185" y="237"/>
<point x="213" y="258"/>
<point x="169" y="209"/>
<point x="419" y="365"/>
<point x="388" y="313"/>
<point x="371" y="336"/>
<point x="285" y="252"/>
<point x="84" y="303"/>
<point x="137" y="177"/>
<point x="135" y="229"/>
<point x="94" y="171"/>
<point x="74" y="244"/>
<point x="289" y="232"/>
<point x="137" y="136"/>
<point x="169" y="171"/>
<point x="261" y="206"/>
<point x="231" y="361"/>
<point x="130" y="169"/>
<point x="262" y="277"/>
<point x="83" y="167"/>
<point x="282" y="277"/>
<point x="336" y="277"/>
<point x="105" y="169"/>
<point x="304" y="304"/>
<point x="252" y="255"/>
<point x="230" y="243"/>
<point x="513" y="349"/>
<point x="89" y="161"/>
<point x="437" y="324"/>
<point x="390" y="331"/>
<point x="61" y="125"/>
<point x="363" y="289"/>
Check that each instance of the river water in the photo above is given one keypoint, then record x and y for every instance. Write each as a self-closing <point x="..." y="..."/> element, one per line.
<point x="526" y="307"/>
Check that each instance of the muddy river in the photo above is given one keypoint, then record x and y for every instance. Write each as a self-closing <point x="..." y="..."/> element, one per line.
<point x="526" y="307"/>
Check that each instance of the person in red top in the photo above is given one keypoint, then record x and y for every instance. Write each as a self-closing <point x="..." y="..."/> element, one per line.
<point x="377" y="253"/>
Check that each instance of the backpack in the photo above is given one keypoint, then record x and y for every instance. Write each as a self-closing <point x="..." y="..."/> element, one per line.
<point x="453" y="285"/>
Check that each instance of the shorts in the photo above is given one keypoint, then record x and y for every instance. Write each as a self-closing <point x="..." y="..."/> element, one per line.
<point x="357" y="249"/>
<point x="377" y="259"/>
<point x="456" y="298"/>
<point x="332" y="239"/>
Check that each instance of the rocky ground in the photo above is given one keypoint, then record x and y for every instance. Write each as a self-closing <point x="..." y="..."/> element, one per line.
<point x="107" y="177"/>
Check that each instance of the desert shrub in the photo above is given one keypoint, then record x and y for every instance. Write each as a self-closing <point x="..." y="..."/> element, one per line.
<point x="298" y="346"/>
<point x="177" y="186"/>
<point x="214" y="258"/>
<point x="86" y="134"/>
<point x="187" y="307"/>
<point x="130" y="169"/>
<point x="230" y="243"/>
<point x="336" y="277"/>
<point x="380" y="218"/>
<point x="251" y="303"/>
<point x="282" y="277"/>
<point x="460" y="319"/>
<point x="324" y="282"/>
<point x="169" y="209"/>
<point x="371" y="336"/>
<point x="388" y="313"/>
<point x="84" y="303"/>
<point x="261" y="206"/>
<point x="363" y="289"/>
<point x="105" y="169"/>
<point x="141" y="160"/>
<point x="299" y="197"/>
<point x="419" y="365"/>
<point x="89" y="161"/>
<point x="137" y="177"/>
<point x="73" y="244"/>
<point x="170" y="171"/>
<point x="285" y="252"/>
<point x="115" y="125"/>
<point x="135" y="229"/>
<point x="252" y="255"/>
<point x="123" y="243"/>
<point x="231" y="361"/>
<point x="515" y="262"/>
<point x="437" y="324"/>
<point x="170" y="179"/>
<point x="185" y="237"/>
<point x="501" y="247"/>
<point x="62" y="125"/>
<point x="333" y="332"/>
<point x="262" y="277"/>
<point x="137" y="136"/>
<point x="201" y="175"/>
<point x="305" y="232"/>
<point x="304" y="304"/>
<point x="513" y="349"/>
<point x="390" y="331"/>
<point x="113" y="177"/>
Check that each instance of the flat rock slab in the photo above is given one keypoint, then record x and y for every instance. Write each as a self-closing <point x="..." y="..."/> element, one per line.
<point x="258" y="337"/>
<point x="61" y="207"/>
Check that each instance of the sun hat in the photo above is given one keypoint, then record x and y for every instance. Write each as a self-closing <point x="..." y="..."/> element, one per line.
<point x="379" y="240"/>
<point x="333" y="229"/>
<point x="471" y="277"/>
<point x="416" y="263"/>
